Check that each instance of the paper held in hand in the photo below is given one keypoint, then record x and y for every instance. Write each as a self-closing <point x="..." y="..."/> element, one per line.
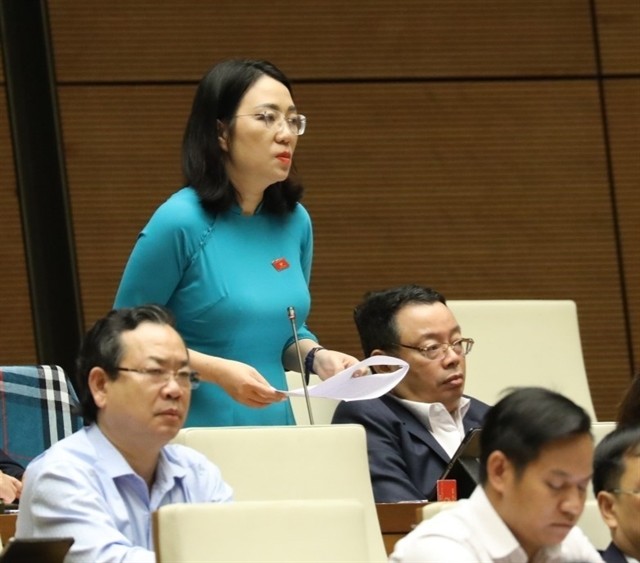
<point x="344" y="386"/>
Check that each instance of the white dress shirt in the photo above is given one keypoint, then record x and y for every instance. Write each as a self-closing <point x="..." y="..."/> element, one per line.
<point x="447" y="429"/>
<point x="472" y="532"/>
<point x="84" y="488"/>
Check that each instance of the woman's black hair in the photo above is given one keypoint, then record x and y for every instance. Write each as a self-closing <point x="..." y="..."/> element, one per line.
<point x="216" y="101"/>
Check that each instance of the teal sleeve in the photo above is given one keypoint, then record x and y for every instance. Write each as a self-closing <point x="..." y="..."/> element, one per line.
<point x="161" y="254"/>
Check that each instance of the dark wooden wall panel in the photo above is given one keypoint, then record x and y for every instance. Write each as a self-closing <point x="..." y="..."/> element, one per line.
<point x="619" y="31"/>
<point x="623" y="108"/>
<point x="17" y="345"/>
<point x="417" y="168"/>
<point x="123" y="158"/>
<point x="148" y="40"/>
<point x="481" y="190"/>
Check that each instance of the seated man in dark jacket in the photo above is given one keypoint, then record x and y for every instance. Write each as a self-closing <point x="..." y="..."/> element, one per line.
<point x="10" y="478"/>
<point x="616" y="484"/>
<point x="413" y="431"/>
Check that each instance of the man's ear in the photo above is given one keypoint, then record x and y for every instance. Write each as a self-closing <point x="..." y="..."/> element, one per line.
<point x="98" y="385"/>
<point x="606" y="504"/>
<point x="223" y="136"/>
<point x="381" y="369"/>
<point x="499" y="471"/>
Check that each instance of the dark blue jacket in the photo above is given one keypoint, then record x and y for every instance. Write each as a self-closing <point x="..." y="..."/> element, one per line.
<point x="405" y="459"/>
<point x="613" y="554"/>
<point x="10" y="467"/>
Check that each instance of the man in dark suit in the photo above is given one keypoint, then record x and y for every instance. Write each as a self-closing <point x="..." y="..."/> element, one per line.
<point x="413" y="431"/>
<point x="616" y="484"/>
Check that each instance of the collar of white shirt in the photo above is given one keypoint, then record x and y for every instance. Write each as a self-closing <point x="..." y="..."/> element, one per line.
<point x="447" y="428"/>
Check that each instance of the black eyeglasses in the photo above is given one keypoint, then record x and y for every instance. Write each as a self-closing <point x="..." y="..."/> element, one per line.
<point x="462" y="347"/>
<point x="160" y="376"/>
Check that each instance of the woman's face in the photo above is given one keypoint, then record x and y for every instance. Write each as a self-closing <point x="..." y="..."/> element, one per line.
<point x="259" y="143"/>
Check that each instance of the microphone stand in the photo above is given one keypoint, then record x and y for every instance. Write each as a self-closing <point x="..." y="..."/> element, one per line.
<point x="292" y="317"/>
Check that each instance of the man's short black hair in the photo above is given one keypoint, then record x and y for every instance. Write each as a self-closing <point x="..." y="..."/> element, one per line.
<point x="525" y="421"/>
<point x="102" y="347"/>
<point x="610" y="454"/>
<point x="375" y="317"/>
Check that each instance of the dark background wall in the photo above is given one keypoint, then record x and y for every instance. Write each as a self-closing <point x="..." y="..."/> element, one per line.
<point x="489" y="149"/>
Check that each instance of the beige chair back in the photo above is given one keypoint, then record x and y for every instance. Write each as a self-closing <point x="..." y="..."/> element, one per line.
<point x="276" y="531"/>
<point x="294" y="463"/>
<point x="321" y="409"/>
<point x="521" y="343"/>
<point x="601" y="429"/>
<point x="592" y="524"/>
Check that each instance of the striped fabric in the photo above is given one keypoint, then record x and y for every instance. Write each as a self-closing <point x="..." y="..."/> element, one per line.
<point x="37" y="408"/>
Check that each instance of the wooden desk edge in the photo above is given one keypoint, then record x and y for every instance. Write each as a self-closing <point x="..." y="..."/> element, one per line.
<point x="7" y="526"/>
<point x="397" y="519"/>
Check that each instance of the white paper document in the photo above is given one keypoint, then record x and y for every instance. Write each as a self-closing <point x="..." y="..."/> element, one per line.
<point x="345" y="387"/>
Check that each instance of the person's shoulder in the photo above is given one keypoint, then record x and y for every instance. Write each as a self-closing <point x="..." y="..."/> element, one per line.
<point x="442" y="537"/>
<point x="478" y="405"/>
<point x="613" y="554"/>
<point x="366" y="405"/>
<point x="374" y="409"/>
<point x="298" y="216"/>
<point x="181" y="217"/>
<point x="75" y="450"/>
<point x="577" y="547"/>
<point x="301" y="211"/>
<point x="447" y="520"/>
<point x="187" y="457"/>
<point x="181" y="208"/>
<point x="197" y="467"/>
<point x="200" y="475"/>
<point x="76" y="443"/>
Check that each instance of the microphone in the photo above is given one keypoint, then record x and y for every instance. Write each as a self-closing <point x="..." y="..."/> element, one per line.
<point x="291" y="312"/>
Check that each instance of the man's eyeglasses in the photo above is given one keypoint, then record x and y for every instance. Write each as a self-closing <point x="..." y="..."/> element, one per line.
<point x="275" y="119"/>
<point x="160" y="376"/>
<point x="634" y="492"/>
<point x="462" y="347"/>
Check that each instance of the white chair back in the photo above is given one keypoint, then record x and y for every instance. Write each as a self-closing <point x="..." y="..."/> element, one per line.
<point x="276" y="531"/>
<point x="601" y="429"/>
<point x="294" y="463"/>
<point x="593" y="526"/>
<point x="321" y="409"/>
<point x="522" y="343"/>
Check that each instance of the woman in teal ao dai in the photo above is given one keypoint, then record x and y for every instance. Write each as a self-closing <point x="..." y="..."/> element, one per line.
<point x="229" y="253"/>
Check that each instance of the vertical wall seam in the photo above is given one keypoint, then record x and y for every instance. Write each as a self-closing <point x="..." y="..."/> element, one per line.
<point x="626" y="306"/>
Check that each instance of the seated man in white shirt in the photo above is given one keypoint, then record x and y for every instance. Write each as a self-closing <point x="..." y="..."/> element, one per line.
<point x="536" y="456"/>
<point x="414" y="430"/>
<point x="616" y="484"/>
<point x="101" y="484"/>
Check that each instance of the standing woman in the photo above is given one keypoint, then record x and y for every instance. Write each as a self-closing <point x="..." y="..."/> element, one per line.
<point x="229" y="253"/>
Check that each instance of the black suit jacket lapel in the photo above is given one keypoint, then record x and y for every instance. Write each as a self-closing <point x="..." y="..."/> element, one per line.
<point x="412" y="425"/>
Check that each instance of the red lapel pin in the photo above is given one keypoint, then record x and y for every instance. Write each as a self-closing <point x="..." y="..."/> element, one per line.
<point x="280" y="264"/>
